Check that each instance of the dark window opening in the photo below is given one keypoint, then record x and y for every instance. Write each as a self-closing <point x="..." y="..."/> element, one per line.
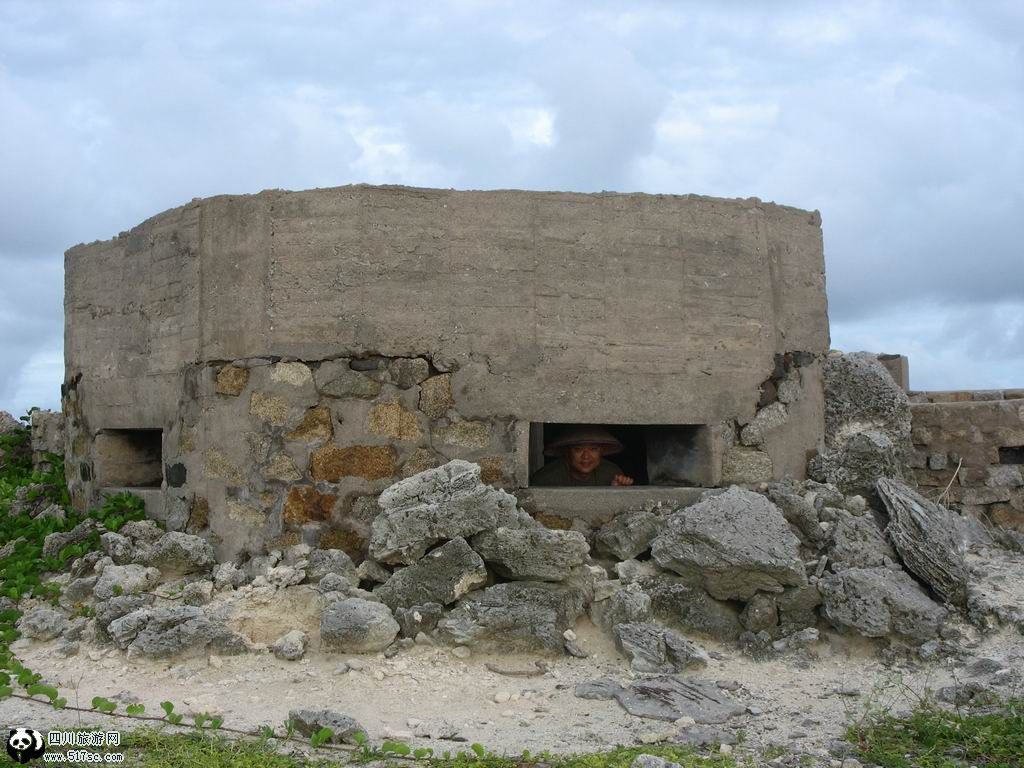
<point x="671" y="455"/>
<point x="129" y="458"/>
<point x="1013" y="455"/>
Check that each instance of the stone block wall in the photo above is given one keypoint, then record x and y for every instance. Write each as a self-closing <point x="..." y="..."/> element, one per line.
<point x="973" y="443"/>
<point x="297" y="352"/>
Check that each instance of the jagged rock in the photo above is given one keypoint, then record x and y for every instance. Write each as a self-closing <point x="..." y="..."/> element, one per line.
<point x="672" y="697"/>
<point x="626" y="606"/>
<point x="629" y="571"/>
<point x="797" y="640"/>
<point x="77" y="591"/>
<point x="42" y="623"/>
<point x="797" y="608"/>
<point x="55" y="542"/>
<point x="373" y="572"/>
<point x="30" y="500"/>
<point x="857" y="464"/>
<point x="54" y="512"/>
<point x="197" y="593"/>
<point x="531" y="554"/>
<point x="357" y="626"/>
<point x="435" y="505"/>
<point x="282" y="576"/>
<point x="260" y="565"/>
<point x="761" y="613"/>
<point x="291" y="645"/>
<point x="737" y="543"/>
<point x="858" y="542"/>
<point x="177" y="553"/>
<point x="110" y="610"/>
<point x="418" y="618"/>
<point x="124" y="580"/>
<point x="142" y="531"/>
<point x="652" y="648"/>
<point x="880" y="601"/>
<point x="443" y="576"/>
<point x="75" y="628"/>
<point x="628" y="535"/>
<point x="297" y="555"/>
<point x="520" y="614"/>
<point x="926" y="536"/>
<point x="798" y="512"/>
<point x="310" y="721"/>
<point x="118" y="548"/>
<point x="229" y="575"/>
<point x="86" y="564"/>
<point x="163" y="632"/>
<point x="601" y="689"/>
<point x="678" y="603"/>
<point x="9" y="424"/>
<point x="768" y="418"/>
<point x="324" y="561"/>
<point x="860" y="395"/>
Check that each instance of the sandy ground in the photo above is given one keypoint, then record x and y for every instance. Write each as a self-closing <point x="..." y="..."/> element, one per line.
<point x="801" y="701"/>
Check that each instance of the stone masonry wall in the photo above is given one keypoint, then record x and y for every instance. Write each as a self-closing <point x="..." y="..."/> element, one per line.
<point x="982" y="432"/>
<point x="299" y="351"/>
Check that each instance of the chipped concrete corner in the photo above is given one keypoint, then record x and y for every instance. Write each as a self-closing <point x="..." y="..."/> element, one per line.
<point x="263" y="366"/>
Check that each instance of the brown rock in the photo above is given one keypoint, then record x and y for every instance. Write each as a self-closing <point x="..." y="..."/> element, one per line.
<point x="746" y="465"/>
<point x="269" y="408"/>
<point x="199" y="515"/>
<point x="492" y="469"/>
<point x="436" y="395"/>
<point x="316" y="425"/>
<point x="247" y="514"/>
<point x="554" y="522"/>
<point x="1005" y="516"/>
<point x="306" y="504"/>
<point x="421" y="460"/>
<point x="331" y="463"/>
<point x="392" y="420"/>
<point x="231" y="380"/>
<point x="350" y="542"/>
<point x="285" y="540"/>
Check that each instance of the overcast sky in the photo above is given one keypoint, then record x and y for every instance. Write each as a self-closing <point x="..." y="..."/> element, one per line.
<point x="903" y="123"/>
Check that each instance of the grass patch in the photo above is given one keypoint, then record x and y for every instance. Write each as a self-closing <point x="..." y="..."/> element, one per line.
<point x="149" y="748"/>
<point x="934" y="738"/>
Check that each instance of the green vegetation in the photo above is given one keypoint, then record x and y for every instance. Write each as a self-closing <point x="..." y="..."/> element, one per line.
<point x="934" y="738"/>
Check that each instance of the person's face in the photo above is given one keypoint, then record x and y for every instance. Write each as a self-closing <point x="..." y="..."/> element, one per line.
<point x="585" y="458"/>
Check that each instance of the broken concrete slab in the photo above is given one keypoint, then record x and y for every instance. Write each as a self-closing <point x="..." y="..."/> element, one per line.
<point x="529" y="554"/>
<point x="443" y="576"/>
<point x="672" y="697"/>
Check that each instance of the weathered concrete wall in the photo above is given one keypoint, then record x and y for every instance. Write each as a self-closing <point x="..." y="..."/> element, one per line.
<point x="983" y="435"/>
<point x="300" y="351"/>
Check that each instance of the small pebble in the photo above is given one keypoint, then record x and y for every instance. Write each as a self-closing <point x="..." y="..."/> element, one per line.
<point x="355" y="664"/>
<point x="378" y="675"/>
<point x="725" y="749"/>
<point x="341" y="669"/>
<point x="502" y="697"/>
<point x="461" y="652"/>
<point x="684" y="722"/>
<point x="569" y="635"/>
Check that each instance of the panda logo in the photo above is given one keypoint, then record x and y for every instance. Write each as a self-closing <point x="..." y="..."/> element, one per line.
<point x="25" y="744"/>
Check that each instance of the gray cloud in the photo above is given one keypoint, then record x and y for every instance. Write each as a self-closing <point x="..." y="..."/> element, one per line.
<point x="901" y="122"/>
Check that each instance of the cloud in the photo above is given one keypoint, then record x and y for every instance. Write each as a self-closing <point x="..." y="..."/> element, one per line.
<point x="902" y="123"/>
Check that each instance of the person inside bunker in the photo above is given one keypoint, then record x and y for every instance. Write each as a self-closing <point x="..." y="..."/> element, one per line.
<point x="580" y="460"/>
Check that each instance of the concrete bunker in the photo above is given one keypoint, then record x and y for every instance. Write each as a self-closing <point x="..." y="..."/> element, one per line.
<point x="301" y="351"/>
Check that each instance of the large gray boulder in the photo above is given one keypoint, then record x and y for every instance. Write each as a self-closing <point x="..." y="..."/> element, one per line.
<point x="42" y="623"/>
<point x="531" y="553"/>
<point x="518" y="615"/>
<point x="443" y="503"/>
<point x="799" y="512"/>
<point x="9" y="424"/>
<point x="320" y="562"/>
<point x="672" y="697"/>
<point x="735" y="543"/>
<point x="858" y="542"/>
<point x="628" y="535"/>
<point x="357" y="626"/>
<point x="867" y="425"/>
<point x="55" y="542"/>
<point x="419" y="618"/>
<point x="110" y="610"/>
<point x="443" y="576"/>
<point x="124" y="580"/>
<point x="857" y="464"/>
<point x="678" y="603"/>
<point x="177" y="554"/>
<point x="928" y="540"/>
<point x="876" y="602"/>
<point x="627" y="605"/>
<point x="652" y="648"/>
<point x="164" y="632"/>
